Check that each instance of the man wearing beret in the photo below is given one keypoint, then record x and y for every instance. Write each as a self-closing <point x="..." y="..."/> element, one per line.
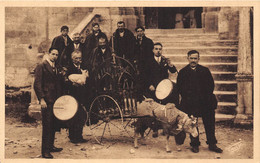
<point x="195" y="85"/>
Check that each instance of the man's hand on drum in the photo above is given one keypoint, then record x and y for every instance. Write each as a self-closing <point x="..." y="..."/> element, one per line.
<point x="151" y="88"/>
<point x="43" y="103"/>
<point x="169" y="63"/>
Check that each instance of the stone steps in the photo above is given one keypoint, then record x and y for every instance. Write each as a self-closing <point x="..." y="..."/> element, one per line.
<point x="220" y="56"/>
<point x="213" y="66"/>
<point x="214" y="50"/>
<point x="174" y="31"/>
<point x="204" y="58"/>
<point x="199" y="42"/>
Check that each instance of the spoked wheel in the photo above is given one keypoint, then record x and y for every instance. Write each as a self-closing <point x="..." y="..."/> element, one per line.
<point x="105" y="118"/>
<point x="130" y="126"/>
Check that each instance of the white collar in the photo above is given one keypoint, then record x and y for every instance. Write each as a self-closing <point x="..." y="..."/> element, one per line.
<point x="50" y="62"/>
<point x="158" y="59"/>
<point x="103" y="50"/>
<point x="76" y="65"/>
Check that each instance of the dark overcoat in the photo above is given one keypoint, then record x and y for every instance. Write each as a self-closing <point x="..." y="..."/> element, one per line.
<point x="90" y="44"/>
<point x="196" y="89"/>
<point x="124" y="46"/>
<point x="59" y="43"/>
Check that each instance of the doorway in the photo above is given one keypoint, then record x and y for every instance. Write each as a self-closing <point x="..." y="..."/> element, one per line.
<point x="172" y="17"/>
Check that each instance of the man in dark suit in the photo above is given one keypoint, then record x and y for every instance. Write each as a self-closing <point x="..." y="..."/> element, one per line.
<point x="47" y="87"/>
<point x="157" y="70"/>
<point x="82" y="93"/>
<point x="61" y="42"/>
<point x="143" y="52"/>
<point x="100" y="53"/>
<point x="196" y="85"/>
<point x="75" y="45"/>
<point x="124" y="42"/>
<point x="91" y="42"/>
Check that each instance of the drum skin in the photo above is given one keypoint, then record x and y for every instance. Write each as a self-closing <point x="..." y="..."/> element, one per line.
<point x="65" y="107"/>
<point x="164" y="89"/>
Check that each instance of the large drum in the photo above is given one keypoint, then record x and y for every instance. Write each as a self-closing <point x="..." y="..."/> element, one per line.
<point x="65" y="107"/>
<point x="166" y="92"/>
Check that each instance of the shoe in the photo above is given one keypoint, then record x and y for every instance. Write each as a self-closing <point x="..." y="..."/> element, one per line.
<point x="47" y="155"/>
<point x="195" y="149"/>
<point x="215" y="148"/>
<point x="155" y="134"/>
<point x="55" y="149"/>
<point x="83" y="140"/>
<point x="78" y="141"/>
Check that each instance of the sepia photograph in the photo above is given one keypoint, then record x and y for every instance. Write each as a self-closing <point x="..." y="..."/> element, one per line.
<point x="129" y="81"/>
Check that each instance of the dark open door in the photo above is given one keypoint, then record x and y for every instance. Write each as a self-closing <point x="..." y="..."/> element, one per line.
<point x="168" y="17"/>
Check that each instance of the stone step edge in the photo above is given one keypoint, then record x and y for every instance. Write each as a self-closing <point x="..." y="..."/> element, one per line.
<point x="201" y="47"/>
<point x="182" y="40"/>
<point x="223" y="117"/>
<point x="233" y="104"/>
<point x="201" y="55"/>
<point x="225" y="92"/>
<point x="221" y="82"/>
<point x="208" y="63"/>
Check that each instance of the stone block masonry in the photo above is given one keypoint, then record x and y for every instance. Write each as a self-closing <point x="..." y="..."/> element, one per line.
<point x="25" y="29"/>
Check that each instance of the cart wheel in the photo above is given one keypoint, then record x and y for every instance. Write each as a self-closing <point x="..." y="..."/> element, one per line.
<point x="130" y="125"/>
<point x="102" y="111"/>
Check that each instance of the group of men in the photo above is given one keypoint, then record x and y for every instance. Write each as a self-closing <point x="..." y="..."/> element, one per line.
<point x="195" y="84"/>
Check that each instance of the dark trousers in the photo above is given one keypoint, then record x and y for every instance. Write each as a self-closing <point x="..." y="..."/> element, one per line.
<point x="48" y="130"/>
<point x="208" y="119"/>
<point x="76" y="124"/>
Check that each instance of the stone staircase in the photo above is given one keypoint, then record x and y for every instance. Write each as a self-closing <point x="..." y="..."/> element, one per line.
<point x="220" y="56"/>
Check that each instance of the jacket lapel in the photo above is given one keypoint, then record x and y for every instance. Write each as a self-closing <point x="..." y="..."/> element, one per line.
<point x="48" y="67"/>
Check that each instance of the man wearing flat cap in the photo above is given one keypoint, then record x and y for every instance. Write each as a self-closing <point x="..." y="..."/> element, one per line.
<point x="61" y="42"/>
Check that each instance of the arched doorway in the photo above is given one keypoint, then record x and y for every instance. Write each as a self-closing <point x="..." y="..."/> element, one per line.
<point x="172" y="17"/>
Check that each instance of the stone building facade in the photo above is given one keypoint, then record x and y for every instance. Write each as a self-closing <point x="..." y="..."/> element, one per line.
<point x="29" y="31"/>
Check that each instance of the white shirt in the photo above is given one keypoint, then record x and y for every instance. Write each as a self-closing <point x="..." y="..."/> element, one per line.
<point x="158" y="59"/>
<point x="76" y="46"/>
<point x="103" y="50"/>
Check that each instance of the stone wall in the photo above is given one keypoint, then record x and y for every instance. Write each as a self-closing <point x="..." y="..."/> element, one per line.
<point x="25" y="29"/>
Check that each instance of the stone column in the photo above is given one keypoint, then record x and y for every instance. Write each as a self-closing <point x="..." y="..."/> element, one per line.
<point x="244" y="75"/>
<point x="209" y="19"/>
<point x="228" y="22"/>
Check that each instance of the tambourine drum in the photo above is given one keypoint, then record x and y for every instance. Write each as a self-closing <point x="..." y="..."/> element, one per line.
<point x="65" y="107"/>
<point x="164" y="89"/>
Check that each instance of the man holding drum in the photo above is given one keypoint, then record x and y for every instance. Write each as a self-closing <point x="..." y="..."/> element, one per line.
<point x="47" y="87"/>
<point x="196" y="85"/>
<point x="77" y="84"/>
<point x="157" y="69"/>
